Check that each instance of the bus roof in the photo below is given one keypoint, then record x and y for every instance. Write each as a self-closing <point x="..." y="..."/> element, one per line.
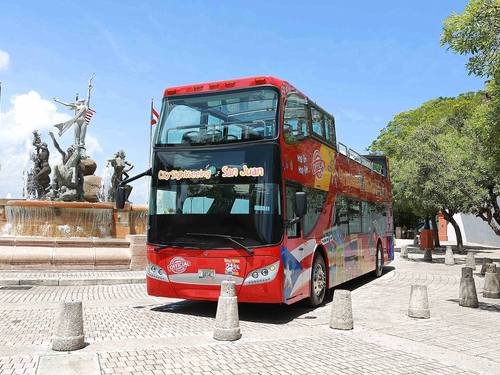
<point x="227" y="85"/>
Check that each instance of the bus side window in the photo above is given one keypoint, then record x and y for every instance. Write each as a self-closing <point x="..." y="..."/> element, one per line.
<point x="366" y="215"/>
<point x="292" y="231"/>
<point x="341" y="219"/>
<point x="354" y="216"/>
<point x="330" y="130"/>
<point x="294" y="119"/>
<point x="317" y="120"/>
<point x="316" y="200"/>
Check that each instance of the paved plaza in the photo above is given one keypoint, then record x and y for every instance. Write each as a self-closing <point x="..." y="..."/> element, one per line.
<point x="129" y="332"/>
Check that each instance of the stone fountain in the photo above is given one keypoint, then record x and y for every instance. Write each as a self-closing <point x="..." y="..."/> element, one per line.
<point x="66" y="220"/>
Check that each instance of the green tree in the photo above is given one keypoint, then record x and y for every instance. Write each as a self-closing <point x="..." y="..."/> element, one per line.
<point x="476" y="32"/>
<point x="429" y="149"/>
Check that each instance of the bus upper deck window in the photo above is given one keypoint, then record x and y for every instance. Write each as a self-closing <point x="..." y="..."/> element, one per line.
<point x="294" y="119"/>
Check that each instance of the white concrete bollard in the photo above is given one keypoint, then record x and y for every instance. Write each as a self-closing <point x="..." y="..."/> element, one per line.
<point x="467" y="293"/>
<point x="449" y="260"/>
<point x="69" y="327"/>
<point x="486" y="261"/>
<point x="491" y="287"/>
<point x="419" y="303"/>
<point x="341" y="314"/>
<point x="404" y="252"/>
<point x="470" y="260"/>
<point x="427" y="255"/>
<point x="227" y="322"/>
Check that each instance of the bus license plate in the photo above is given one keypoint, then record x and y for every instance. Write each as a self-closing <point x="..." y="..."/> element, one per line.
<point x="206" y="274"/>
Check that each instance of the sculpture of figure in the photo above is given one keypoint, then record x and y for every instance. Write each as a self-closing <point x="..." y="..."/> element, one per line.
<point x="39" y="176"/>
<point x="67" y="175"/>
<point x="120" y="173"/>
<point x="82" y="109"/>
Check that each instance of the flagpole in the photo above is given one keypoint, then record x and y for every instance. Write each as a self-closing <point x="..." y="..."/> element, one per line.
<point x="151" y="133"/>
<point x="0" y="102"/>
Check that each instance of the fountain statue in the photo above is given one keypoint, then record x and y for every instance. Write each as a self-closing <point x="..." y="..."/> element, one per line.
<point x="69" y="175"/>
<point x="83" y="113"/>
<point x="39" y="176"/>
<point x="120" y="173"/>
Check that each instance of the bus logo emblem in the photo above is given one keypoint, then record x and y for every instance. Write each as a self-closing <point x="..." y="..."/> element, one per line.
<point x="318" y="165"/>
<point x="178" y="265"/>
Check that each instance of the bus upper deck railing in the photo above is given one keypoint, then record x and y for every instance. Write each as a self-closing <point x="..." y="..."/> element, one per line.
<point x="353" y="155"/>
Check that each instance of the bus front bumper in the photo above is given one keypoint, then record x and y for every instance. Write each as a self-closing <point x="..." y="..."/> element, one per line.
<point x="263" y="283"/>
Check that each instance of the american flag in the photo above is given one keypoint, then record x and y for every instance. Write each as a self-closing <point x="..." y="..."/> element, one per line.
<point x="88" y="115"/>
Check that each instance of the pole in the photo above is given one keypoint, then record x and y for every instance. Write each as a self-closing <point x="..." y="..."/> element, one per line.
<point x="0" y="102"/>
<point x="151" y="133"/>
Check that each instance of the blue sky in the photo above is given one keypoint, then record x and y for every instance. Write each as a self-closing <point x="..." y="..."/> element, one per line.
<point x="362" y="61"/>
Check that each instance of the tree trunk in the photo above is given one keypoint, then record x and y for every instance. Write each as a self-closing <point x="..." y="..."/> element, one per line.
<point x="449" y="217"/>
<point x="486" y="215"/>
<point x="435" y="231"/>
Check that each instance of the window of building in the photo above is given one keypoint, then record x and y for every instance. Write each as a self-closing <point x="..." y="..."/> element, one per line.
<point x="295" y="119"/>
<point x="317" y="120"/>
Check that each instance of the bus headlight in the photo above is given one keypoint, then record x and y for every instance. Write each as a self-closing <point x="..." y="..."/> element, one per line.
<point x="262" y="275"/>
<point x="156" y="272"/>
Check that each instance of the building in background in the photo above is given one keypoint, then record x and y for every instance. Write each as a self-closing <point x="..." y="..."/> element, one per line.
<point x="474" y="231"/>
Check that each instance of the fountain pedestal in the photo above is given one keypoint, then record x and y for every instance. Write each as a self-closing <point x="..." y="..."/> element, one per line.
<point x="71" y="235"/>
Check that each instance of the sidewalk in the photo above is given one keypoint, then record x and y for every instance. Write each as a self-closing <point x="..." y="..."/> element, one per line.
<point x="129" y="332"/>
<point x="70" y="278"/>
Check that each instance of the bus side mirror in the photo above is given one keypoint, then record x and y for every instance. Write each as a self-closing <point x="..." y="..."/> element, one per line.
<point x="120" y="197"/>
<point x="300" y="203"/>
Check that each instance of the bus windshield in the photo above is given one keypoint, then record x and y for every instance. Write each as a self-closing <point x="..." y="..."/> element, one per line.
<point x="238" y="116"/>
<point x="218" y="193"/>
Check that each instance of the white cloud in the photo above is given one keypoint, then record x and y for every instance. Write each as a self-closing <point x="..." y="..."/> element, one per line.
<point x="92" y="145"/>
<point x="4" y="60"/>
<point x="29" y="112"/>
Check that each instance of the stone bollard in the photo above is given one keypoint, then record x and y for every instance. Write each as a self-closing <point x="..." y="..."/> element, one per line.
<point x="491" y="287"/>
<point x="483" y="267"/>
<point x="428" y="255"/>
<point x="449" y="260"/>
<point x="470" y="260"/>
<point x="419" y="303"/>
<point x="227" y="322"/>
<point x="404" y="252"/>
<point x="467" y="293"/>
<point x="69" y="327"/>
<point x="341" y="314"/>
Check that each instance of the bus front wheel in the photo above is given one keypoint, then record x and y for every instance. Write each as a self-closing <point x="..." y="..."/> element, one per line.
<point x="379" y="261"/>
<point x="318" y="281"/>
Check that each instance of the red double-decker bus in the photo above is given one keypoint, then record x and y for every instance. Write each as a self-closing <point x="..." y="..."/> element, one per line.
<point x="249" y="184"/>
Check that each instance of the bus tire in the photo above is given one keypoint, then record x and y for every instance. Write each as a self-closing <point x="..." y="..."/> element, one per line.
<point x="379" y="260"/>
<point x="318" y="281"/>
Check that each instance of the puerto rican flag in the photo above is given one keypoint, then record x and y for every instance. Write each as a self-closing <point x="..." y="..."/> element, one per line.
<point x="154" y="115"/>
<point x="88" y="115"/>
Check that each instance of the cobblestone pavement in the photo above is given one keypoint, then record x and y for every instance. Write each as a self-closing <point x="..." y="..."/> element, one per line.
<point x="132" y="333"/>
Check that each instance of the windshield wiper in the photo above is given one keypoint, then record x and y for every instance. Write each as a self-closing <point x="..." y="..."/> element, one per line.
<point x="163" y="246"/>
<point x="225" y="236"/>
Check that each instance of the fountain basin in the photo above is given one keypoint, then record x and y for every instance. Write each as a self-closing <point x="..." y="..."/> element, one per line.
<point x="48" y="219"/>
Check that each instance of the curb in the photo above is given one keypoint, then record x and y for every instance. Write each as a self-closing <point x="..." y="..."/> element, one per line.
<point x="72" y="281"/>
